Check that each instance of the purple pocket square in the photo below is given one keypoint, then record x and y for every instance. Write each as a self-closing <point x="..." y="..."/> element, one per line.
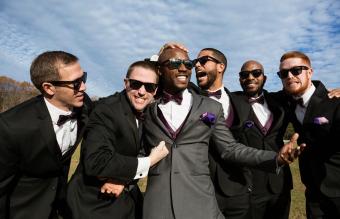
<point x="208" y="118"/>
<point x="320" y="120"/>
<point x="248" y="124"/>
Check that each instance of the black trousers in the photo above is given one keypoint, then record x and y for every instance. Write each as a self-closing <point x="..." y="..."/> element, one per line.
<point x="319" y="206"/>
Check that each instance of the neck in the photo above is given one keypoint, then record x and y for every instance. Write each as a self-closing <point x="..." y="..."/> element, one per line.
<point x="59" y="105"/>
<point x="217" y="85"/>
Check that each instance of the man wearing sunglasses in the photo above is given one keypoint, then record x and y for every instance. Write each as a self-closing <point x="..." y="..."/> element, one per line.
<point x="317" y="118"/>
<point x="179" y="186"/>
<point x="105" y="184"/>
<point x="38" y="138"/>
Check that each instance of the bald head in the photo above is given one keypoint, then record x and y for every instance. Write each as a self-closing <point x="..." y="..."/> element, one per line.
<point x="251" y="65"/>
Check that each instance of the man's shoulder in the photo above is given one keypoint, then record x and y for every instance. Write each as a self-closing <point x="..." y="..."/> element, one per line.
<point x="24" y="107"/>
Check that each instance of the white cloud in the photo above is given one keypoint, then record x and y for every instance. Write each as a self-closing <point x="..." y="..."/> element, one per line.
<point x="107" y="36"/>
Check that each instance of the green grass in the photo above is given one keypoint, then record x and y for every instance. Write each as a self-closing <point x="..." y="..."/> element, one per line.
<point x="297" y="210"/>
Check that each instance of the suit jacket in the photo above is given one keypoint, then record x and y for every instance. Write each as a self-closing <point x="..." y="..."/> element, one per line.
<point x="109" y="150"/>
<point x="33" y="172"/>
<point x="248" y="131"/>
<point x="180" y="184"/>
<point x="320" y="161"/>
<point x="230" y="179"/>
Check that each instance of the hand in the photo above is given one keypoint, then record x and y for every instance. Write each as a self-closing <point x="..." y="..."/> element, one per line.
<point x="173" y="45"/>
<point x="158" y="153"/>
<point x="288" y="153"/>
<point x="112" y="189"/>
<point x="334" y="93"/>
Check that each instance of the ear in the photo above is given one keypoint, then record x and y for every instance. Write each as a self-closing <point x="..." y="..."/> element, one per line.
<point x="125" y="84"/>
<point x="310" y="73"/>
<point x="48" y="88"/>
<point x="264" y="79"/>
<point x="220" y="67"/>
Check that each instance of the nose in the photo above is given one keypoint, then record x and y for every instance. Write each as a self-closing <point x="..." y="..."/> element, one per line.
<point x="141" y="90"/>
<point x="289" y="75"/>
<point x="82" y="86"/>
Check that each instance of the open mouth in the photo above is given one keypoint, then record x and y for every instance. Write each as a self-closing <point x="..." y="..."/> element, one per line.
<point x="201" y="74"/>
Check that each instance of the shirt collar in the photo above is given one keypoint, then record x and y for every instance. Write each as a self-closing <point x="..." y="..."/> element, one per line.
<point x="55" y="112"/>
<point x="307" y="95"/>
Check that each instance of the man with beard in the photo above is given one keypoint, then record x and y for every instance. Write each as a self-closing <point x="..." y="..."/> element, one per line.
<point x="262" y="124"/>
<point x="179" y="186"/>
<point x="317" y="118"/>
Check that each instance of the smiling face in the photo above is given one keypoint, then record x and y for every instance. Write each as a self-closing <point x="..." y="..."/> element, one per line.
<point x="296" y="84"/>
<point x="140" y="97"/>
<point x="174" y="80"/>
<point x="252" y="85"/>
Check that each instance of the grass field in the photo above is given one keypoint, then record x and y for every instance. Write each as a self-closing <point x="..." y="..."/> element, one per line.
<point x="297" y="210"/>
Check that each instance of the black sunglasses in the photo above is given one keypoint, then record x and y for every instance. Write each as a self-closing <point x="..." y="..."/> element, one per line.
<point x="76" y="83"/>
<point x="176" y="63"/>
<point x="204" y="59"/>
<point x="135" y="85"/>
<point x="295" y="71"/>
<point x="245" y="74"/>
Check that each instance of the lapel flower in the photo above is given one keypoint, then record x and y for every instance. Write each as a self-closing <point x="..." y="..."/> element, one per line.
<point x="320" y="120"/>
<point x="248" y="124"/>
<point x="208" y="118"/>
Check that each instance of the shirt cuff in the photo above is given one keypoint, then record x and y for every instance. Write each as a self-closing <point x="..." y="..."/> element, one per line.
<point x="143" y="167"/>
<point x="278" y="166"/>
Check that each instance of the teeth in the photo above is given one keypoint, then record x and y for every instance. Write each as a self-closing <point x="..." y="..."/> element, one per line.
<point x="181" y="78"/>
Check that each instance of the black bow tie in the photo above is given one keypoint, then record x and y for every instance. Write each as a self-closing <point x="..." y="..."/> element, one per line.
<point x="169" y="97"/>
<point x="216" y="94"/>
<point x="298" y="101"/>
<point x="259" y="100"/>
<point x="140" y="115"/>
<point x="64" y="118"/>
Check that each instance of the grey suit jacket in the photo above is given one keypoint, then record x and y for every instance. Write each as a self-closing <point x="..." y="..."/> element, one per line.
<point x="179" y="186"/>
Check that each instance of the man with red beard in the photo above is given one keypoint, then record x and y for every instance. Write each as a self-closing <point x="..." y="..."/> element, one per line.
<point x="317" y="119"/>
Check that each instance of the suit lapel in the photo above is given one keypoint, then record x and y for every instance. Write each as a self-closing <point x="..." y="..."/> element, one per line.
<point x="277" y="112"/>
<point x="47" y="130"/>
<point x="315" y="100"/>
<point x="157" y="120"/>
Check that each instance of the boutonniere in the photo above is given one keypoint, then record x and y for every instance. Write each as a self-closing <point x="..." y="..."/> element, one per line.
<point x="320" y="120"/>
<point x="208" y="118"/>
<point x="248" y="124"/>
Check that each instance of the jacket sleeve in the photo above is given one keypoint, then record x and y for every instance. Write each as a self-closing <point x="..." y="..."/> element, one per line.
<point x="9" y="160"/>
<point x="100" y="156"/>
<point x="232" y="151"/>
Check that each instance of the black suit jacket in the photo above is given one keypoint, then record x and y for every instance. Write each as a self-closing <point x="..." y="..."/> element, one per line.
<point x="320" y="161"/>
<point x="229" y="179"/>
<point x="109" y="150"/>
<point x="33" y="173"/>
<point x="248" y="131"/>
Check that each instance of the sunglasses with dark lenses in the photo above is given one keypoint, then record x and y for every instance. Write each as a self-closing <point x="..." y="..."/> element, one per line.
<point x="135" y="85"/>
<point x="76" y="83"/>
<point x="295" y="71"/>
<point x="245" y="74"/>
<point x="176" y="63"/>
<point x="204" y="59"/>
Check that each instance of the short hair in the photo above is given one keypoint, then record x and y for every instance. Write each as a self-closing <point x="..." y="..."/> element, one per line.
<point x="219" y="56"/>
<point x="143" y="64"/>
<point x="295" y="54"/>
<point x="45" y="67"/>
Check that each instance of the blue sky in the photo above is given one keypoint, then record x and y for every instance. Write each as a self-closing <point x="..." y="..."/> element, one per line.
<point x="109" y="35"/>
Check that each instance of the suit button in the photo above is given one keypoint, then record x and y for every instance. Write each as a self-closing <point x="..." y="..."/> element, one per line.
<point x="53" y="188"/>
<point x="250" y="189"/>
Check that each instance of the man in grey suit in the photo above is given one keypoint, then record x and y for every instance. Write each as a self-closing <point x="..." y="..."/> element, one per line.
<point x="179" y="186"/>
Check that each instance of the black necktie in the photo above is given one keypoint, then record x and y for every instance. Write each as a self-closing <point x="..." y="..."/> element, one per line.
<point x="64" y="118"/>
<point x="168" y="97"/>
<point x="140" y="115"/>
<point x="259" y="100"/>
<point x="216" y="94"/>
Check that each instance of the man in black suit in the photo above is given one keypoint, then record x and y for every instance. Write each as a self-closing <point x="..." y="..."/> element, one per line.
<point x="179" y="186"/>
<point x="105" y="183"/>
<point x="38" y="138"/>
<point x="317" y="118"/>
<point x="262" y="124"/>
<point x="231" y="181"/>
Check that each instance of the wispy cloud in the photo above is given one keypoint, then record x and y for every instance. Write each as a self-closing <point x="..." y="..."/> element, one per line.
<point x="107" y="36"/>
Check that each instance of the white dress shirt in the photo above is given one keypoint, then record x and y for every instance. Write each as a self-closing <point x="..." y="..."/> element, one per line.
<point x="224" y="100"/>
<point x="174" y="113"/>
<point x="261" y="111"/>
<point x="66" y="134"/>
<point x="300" y="111"/>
